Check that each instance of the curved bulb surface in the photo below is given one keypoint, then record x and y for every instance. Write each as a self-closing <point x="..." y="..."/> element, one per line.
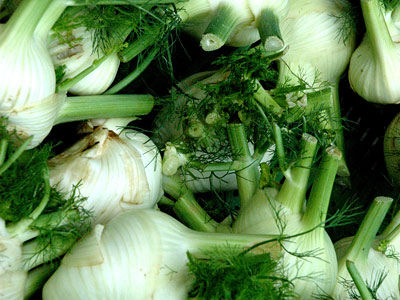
<point x="77" y="56"/>
<point x="115" y="172"/>
<point x="27" y="87"/>
<point x="312" y="275"/>
<point x="373" y="76"/>
<point x="139" y="255"/>
<point x="375" y="265"/>
<point x="12" y="276"/>
<point x="317" y="52"/>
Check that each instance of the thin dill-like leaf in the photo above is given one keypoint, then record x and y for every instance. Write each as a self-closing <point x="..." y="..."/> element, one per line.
<point x="63" y="222"/>
<point x="348" y="21"/>
<point x="390" y="4"/>
<point x="373" y="285"/>
<point x="228" y="274"/>
<point x="22" y="186"/>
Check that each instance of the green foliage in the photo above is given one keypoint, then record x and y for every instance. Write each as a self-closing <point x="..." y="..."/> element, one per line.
<point x="115" y="25"/>
<point x="390" y="4"/>
<point x="22" y="185"/>
<point x="232" y="275"/>
<point x="22" y="189"/>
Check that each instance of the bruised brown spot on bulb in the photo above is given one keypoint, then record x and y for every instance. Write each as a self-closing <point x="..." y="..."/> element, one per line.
<point x="112" y="134"/>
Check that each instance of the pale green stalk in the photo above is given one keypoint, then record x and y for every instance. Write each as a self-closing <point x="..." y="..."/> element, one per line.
<point x="247" y="178"/>
<point x="37" y="277"/>
<point x="35" y="253"/>
<point x="270" y="34"/>
<point x="318" y="201"/>
<point x="359" y="282"/>
<point x="366" y="233"/>
<point x="378" y="34"/>
<point x="186" y="206"/>
<point x="221" y="27"/>
<point x="22" y="23"/>
<point x="104" y="106"/>
<point x="293" y="191"/>
<point x="49" y="18"/>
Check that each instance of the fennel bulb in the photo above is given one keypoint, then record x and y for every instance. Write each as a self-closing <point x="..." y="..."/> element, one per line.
<point x="270" y="211"/>
<point x="375" y="63"/>
<point x="139" y="254"/>
<point x="114" y="171"/>
<point x="37" y="223"/>
<point x="27" y="79"/>
<point x="77" y="55"/>
<point x="28" y="97"/>
<point x="373" y="265"/>
<point x="318" y="52"/>
<point x="12" y="275"/>
<point x="321" y="39"/>
<point x="391" y="149"/>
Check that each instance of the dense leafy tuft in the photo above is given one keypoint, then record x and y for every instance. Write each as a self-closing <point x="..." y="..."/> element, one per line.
<point x="231" y="275"/>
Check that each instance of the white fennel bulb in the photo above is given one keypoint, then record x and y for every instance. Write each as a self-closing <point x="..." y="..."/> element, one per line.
<point x="27" y="79"/>
<point x="140" y="254"/>
<point x="115" y="172"/>
<point x="319" y="49"/>
<point x="77" y="55"/>
<point x="321" y="39"/>
<point x="375" y="64"/>
<point x="28" y="97"/>
<point x="271" y="211"/>
<point x="372" y="264"/>
<point x="12" y="275"/>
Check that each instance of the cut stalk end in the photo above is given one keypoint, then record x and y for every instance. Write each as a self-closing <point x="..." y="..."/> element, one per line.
<point x="274" y="44"/>
<point x="211" y="42"/>
<point x="220" y="28"/>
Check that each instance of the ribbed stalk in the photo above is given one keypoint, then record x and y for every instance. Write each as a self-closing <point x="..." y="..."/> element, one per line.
<point x="221" y="27"/>
<point x="204" y="241"/>
<point x="293" y="191"/>
<point x="50" y="221"/>
<point x="266" y="100"/>
<point x="22" y="23"/>
<point x="270" y="34"/>
<point x="280" y="150"/>
<point x="359" y="282"/>
<point x="377" y="31"/>
<point x="104" y="107"/>
<point x="343" y="170"/>
<point x="318" y="202"/>
<point x="186" y="206"/>
<point x="192" y="8"/>
<point x="247" y="178"/>
<point x="394" y="225"/>
<point x="3" y="150"/>
<point x="49" y="18"/>
<point x="366" y="233"/>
